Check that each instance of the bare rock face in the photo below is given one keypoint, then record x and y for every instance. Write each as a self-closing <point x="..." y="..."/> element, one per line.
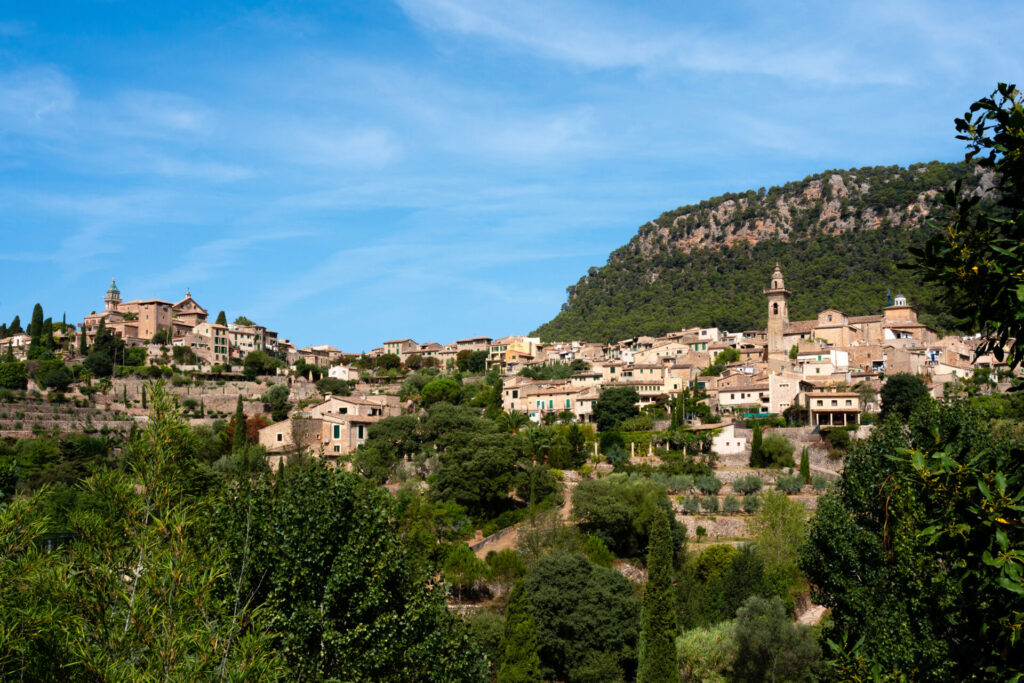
<point x="832" y="204"/>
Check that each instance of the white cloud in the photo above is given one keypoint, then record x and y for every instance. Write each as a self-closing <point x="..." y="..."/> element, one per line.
<point x="35" y="96"/>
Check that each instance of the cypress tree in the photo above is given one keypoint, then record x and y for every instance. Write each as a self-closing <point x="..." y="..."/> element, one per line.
<point x="238" y="438"/>
<point x="143" y="395"/>
<point x="805" y="466"/>
<point x="520" y="663"/>
<point x="47" y="334"/>
<point x="756" y="454"/>
<point x="35" y="331"/>
<point x="222" y="319"/>
<point x="125" y="397"/>
<point x="657" y="650"/>
<point x="81" y="342"/>
<point x="15" y="326"/>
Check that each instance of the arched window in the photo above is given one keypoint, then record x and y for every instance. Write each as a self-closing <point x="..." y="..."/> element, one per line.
<point x="775" y="284"/>
<point x="775" y="309"/>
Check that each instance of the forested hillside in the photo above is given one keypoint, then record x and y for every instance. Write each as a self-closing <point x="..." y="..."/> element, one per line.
<point x="838" y="236"/>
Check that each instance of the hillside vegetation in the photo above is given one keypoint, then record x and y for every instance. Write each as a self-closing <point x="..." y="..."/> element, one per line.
<point x="837" y="234"/>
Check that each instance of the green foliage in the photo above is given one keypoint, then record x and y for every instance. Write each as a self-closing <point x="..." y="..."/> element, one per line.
<point x="805" y="465"/>
<point x="769" y="647"/>
<point x="276" y="400"/>
<point x="614" y="405"/>
<point x="751" y="503"/>
<point x="819" y="482"/>
<point x="706" y="654"/>
<point x="242" y="320"/>
<point x="778" y="527"/>
<point x="349" y="601"/>
<point x="441" y="389"/>
<point x="222" y="319"/>
<point x="135" y="593"/>
<point x="478" y="473"/>
<point x="656" y="653"/>
<point x="757" y="458"/>
<point x="922" y="523"/>
<point x="183" y="355"/>
<point x="708" y="484"/>
<point x="238" y="425"/>
<point x="750" y="483"/>
<point x="901" y="393"/>
<point x="721" y="285"/>
<point x="619" y="510"/>
<point x="135" y="356"/>
<point x="701" y="590"/>
<point x="464" y="570"/>
<point x="790" y="484"/>
<point x="334" y="387"/>
<point x="520" y="662"/>
<point x="709" y="504"/>
<point x="731" y="505"/>
<point x="581" y="610"/>
<point x="258" y="363"/>
<point x="555" y="370"/>
<point x="106" y="347"/>
<point x="53" y="374"/>
<point x="776" y="451"/>
<point x="13" y="375"/>
<point x="473" y="362"/>
<point x="977" y="258"/>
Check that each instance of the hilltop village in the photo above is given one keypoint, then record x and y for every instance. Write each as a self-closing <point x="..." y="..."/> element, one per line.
<point x="824" y="372"/>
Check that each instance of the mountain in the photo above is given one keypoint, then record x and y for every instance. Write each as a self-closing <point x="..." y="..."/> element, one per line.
<point x="838" y="235"/>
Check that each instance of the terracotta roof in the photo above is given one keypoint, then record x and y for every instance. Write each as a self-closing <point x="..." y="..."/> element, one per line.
<point x="398" y="341"/>
<point x="800" y="326"/>
<point x="866" y="319"/>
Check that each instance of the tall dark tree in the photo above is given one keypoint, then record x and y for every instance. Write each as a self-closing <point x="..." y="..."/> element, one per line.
<point x="35" y="332"/>
<point x="222" y="318"/>
<point x="520" y="662"/>
<point x="15" y="326"/>
<point x="105" y="349"/>
<point x="238" y="428"/>
<point x="756" y="450"/>
<point x="657" y="651"/>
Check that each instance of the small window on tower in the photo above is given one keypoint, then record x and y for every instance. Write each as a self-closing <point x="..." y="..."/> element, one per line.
<point x="775" y="309"/>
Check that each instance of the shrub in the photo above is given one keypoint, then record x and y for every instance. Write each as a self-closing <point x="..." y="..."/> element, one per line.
<point x="819" y="482"/>
<point x="751" y="503"/>
<point x="731" y="505"/>
<point x="709" y="503"/>
<point x="789" y="483"/>
<point x="750" y="483"/>
<point x="778" y="451"/>
<point x="640" y="423"/>
<point x="691" y="505"/>
<point x="708" y="484"/>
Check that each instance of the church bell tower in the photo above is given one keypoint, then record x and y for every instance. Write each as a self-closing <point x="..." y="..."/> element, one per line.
<point x="778" y="316"/>
<point x="113" y="297"/>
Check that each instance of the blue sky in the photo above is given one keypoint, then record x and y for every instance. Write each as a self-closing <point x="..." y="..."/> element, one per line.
<point x="352" y="172"/>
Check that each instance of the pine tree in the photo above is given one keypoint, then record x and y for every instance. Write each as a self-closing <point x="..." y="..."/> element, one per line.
<point x="238" y="438"/>
<point x="756" y="453"/>
<point x="657" y="650"/>
<point x="222" y="318"/>
<point x="15" y="326"/>
<point x="520" y="663"/>
<point x="805" y="466"/>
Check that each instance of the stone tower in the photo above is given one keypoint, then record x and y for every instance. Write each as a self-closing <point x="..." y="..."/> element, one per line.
<point x="113" y="297"/>
<point x="778" y="316"/>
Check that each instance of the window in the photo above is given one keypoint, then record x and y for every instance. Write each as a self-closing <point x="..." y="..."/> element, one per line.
<point x="515" y="393"/>
<point x="835" y="403"/>
<point x="280" y="436"/>
<point x="337" y="431"/>
<point x="820" y="403"/>
<point x="849" y="402"/>
<point x="337" y="449"/>
<point x="775" y="309"/>
<point x="361" y="429"/>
